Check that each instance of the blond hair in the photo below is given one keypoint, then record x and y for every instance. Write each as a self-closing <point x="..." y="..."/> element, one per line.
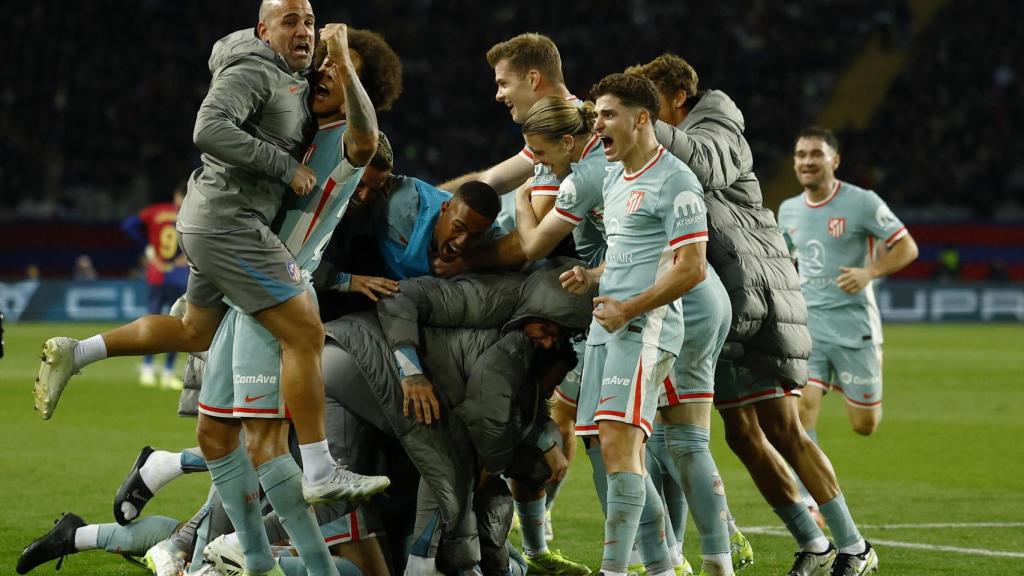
<point x="554" y="117"/>
<point x="527" y="52"/>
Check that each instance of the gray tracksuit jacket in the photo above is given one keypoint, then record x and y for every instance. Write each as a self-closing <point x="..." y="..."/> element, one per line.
<point x="769" y="326"/>
<point x="251" y="129"/>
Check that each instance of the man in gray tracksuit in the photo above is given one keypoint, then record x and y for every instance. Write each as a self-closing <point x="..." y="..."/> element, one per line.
<point x="764" y="362"/>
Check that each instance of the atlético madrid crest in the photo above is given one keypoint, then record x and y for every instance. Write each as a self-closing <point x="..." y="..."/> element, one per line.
<point x="635" y="198"/>
<point x="836" y="227"/>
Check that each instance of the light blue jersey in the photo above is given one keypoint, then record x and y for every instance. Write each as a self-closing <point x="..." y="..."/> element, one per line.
<point x="647" y="216"/>
<point x="581" y="202"/>
<point x="840" y="231"/>
<point x="310" y="220"/>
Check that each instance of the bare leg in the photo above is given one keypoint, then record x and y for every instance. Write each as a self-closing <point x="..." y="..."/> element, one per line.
<point x="155" y="334"/>
<point x="779" y="418"/>
<point x="765" y="465"/>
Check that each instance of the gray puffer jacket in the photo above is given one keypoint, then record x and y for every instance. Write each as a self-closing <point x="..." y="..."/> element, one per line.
<point x="769" y="327"/>
<point x="479" y="365"/>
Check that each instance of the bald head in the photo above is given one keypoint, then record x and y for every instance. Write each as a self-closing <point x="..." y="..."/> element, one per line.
<point x="288" y="26"/>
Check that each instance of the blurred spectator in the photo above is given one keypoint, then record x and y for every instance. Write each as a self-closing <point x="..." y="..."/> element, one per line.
<point x="997" y="272"/>
<point x="948" y="268"/>
<point x="83" y="271"/>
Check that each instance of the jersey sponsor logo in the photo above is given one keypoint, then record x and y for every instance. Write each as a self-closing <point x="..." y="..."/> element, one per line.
<point x="293" y="271"/>
<point x="847" y="378"/>
<point x="616" y="381"/>
<point x="884" y="217"/>
<point x="688" y="208"/>
<point x="619" y="257"/>
<point x="636" y="197"/>
<point x="566" y="195"/>
<point x="811" y="259"/>
<point x="612" y="232"/>
<point x="257" y="379"/>
<point x="836" y="227"/>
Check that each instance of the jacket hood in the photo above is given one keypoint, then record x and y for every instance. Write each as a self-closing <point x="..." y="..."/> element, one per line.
<point x="241" y="44"/>
<point x="716" y="106"/>
<point x="542" y="296"/>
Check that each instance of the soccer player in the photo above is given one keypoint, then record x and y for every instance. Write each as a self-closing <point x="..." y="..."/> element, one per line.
<point x="832" y="227"/>
<point x="655" y="255"/>
<point x="559" y="134"/>
<point x="760" y="373"/>
<point x="166" y="272"/>
<point x="258" y="87"/>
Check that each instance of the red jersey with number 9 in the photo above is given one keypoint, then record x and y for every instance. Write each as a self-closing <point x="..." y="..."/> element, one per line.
<point x="159" y="220"/>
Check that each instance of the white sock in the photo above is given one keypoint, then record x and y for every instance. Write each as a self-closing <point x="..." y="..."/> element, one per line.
<point x="634" y="557"/>
<point x="146" y="369"/>
<point x="85" y="537"/>
<point x="857" y="548"/>
<point x="731" y="525"/>
<point x="717" y="564"/>
<point x="818" y="545"/>
<point x="675" y="556"/>
<point x="232" y="539"/>
<point x="316" y="461"/>
<point x="89" y="350"/>
<point x="160" y="468"/>
<point x="418" y="565"/>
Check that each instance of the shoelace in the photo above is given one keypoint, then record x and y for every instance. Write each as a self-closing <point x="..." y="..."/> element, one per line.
<point x="843" y="565"/>
<point x="60" y="561"/>
<point x="801" y="557"/>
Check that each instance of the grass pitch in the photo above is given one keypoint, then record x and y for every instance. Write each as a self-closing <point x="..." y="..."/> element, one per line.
<point x="939" y="488"/>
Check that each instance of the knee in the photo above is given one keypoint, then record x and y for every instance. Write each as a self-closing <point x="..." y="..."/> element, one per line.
<point x="866" y="426"/>
<point x="307" y="336"/>
<point x="213" y="441"/>
<point x="199" y="336"/>
<point x="743" y="436"/>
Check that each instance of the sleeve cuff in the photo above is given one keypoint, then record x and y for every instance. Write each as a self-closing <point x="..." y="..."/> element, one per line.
<point x="408" y="361"/>
<point x="343" y="282"/>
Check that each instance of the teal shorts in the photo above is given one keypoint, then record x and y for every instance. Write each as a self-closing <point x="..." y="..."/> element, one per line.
<point x="568" y="390"/>
<point x="736" y="386"/>
<point x="856" y="372"/>
<point x="707" y="314"/>
<point x="621" y="381"/>
<point x="243" y="371"/>
<point x="352" y="527"/>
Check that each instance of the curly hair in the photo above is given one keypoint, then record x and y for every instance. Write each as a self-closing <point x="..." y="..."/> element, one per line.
<point x="669" y="73"/>
<point x="634" y="91"/>
<point x="381" y="71"/>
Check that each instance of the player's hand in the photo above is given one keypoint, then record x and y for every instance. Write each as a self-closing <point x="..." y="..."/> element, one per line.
<point x="578" y="280"/>
<point x="557" y="462"/>
<point x="444" y="269"/>
<point x="420" y="399"/>
<point x="303" y="181"/>
<point x="610" y="313"/>
<point x="853" y="280"/>
<point x="335" y="36"/>
<point x="372" y="286"/>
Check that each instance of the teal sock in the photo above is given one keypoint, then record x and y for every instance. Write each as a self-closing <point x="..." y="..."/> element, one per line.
<point x="651" y="532"/>
<point x="239" y="490"/>
<point x="676" y="507"/>
<point x="191" y="460"/>
<point x="704" y="490"/>
<point x="135" y="538"/>
<point x="294" y="566"/>
<point x="840" y="523"/>
<point x="626" y="495"/>
<point x="800" y="523"/>
<point x="600" y="476"/>
<point x="281" y="479"/>
<point x="804" y="493"/>
<point x="531" y="525"/>
<point x="551" y="492"/>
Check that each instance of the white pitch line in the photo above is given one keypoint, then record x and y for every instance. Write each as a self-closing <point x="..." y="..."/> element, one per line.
<point x="953" y="525"/>
<point x="776" y="531"/>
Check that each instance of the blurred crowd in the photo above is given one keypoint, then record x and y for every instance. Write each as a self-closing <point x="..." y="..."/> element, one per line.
<point x="99" y="121"/>
<point x="942" y="147"/>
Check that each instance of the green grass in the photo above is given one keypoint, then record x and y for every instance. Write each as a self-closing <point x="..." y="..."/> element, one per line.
<point x="950" y="450"/>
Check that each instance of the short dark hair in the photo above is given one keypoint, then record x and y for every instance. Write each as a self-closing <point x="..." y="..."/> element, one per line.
<point x="823" y="134"/>
<point x="530" y="51"/>
<point x="631" y="89"/>
<point x="480" y="198"/>
<point x="669" y="73"/>
<point x="384" y="159"/>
